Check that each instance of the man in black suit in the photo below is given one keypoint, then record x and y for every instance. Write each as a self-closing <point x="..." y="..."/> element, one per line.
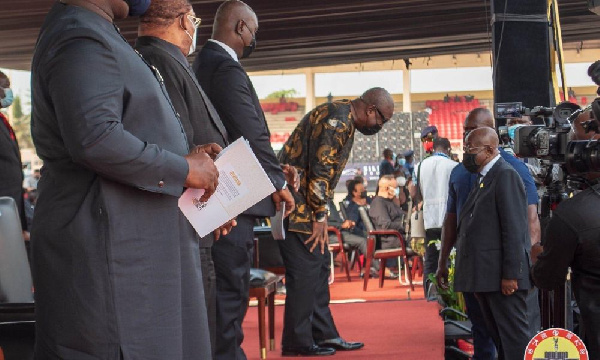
<point x="493" y="245"/>
<point x="167" y="35"/>
<point x="11" y="169"/>
<point x="230" y="90"/>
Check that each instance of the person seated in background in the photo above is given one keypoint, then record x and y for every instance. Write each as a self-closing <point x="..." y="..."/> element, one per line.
<point x="31" y="182"/>
<point x="386" y="214"/>
<point x="386" y="167"/>
<point x="353" y="228"/>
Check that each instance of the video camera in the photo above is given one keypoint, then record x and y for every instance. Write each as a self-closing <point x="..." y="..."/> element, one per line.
<point x="549" y="140"/>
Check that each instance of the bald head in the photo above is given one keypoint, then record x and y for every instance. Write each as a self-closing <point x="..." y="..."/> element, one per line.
<point x="483" y="136"/>
<point x="382" y="99"/>
<point x="478" y="118"/>
<point x="228" y="16"/>
<point x="481" y="146"/>
<point x="387" y="186"/>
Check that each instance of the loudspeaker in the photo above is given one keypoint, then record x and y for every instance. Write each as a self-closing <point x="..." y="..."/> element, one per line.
<point x="522" y="39"/>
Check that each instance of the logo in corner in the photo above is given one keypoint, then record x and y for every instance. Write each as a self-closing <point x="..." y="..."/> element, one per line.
<point x="556" y="344"/>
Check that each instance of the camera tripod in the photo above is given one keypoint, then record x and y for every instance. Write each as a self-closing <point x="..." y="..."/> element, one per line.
<point x="555" y="305"/>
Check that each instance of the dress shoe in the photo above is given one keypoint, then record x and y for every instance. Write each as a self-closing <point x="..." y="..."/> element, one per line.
<point x="314" y="350"/>
<point x="341" y="344"/>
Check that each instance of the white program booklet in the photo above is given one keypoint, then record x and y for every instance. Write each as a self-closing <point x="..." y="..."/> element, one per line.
<point x="242" y="183"/>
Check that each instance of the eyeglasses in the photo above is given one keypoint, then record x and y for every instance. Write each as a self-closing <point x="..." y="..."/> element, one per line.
<point x="195" y="20"/>
<point x="469" y="149"/>
<point x="248" y="27"/>
<point x="383" y="119"/>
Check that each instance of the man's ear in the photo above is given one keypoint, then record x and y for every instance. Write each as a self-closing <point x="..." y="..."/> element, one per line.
<point x="239" y="27"/>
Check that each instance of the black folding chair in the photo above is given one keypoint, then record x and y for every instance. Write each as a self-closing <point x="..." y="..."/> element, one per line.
<point x="17" y="324"/>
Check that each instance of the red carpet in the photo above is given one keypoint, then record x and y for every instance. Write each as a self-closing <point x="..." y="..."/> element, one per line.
<point x="389" y="329"/>
<point x="341" y="289"/>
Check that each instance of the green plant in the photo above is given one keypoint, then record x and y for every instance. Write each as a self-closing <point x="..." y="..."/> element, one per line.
<point x="449" y="297"/>
<point x="282" y="93"/>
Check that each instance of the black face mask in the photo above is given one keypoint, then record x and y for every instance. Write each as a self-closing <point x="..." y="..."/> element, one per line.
<point x="470" y="164"/>
<point x="370" y="130"/>
<point x="248" y="49"/>
<point x="363" y="195"/>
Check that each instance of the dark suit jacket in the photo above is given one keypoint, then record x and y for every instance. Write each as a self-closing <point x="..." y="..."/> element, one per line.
<point x="493" y="236"/>
<point x="231" y="92"/>
<point x="199" y="118"/>
<point x="11" y="171"/>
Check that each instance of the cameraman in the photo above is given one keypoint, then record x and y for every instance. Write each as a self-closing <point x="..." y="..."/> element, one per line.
<point x="573" y="240"/>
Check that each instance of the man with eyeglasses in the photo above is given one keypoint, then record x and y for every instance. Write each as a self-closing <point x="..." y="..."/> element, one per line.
<point x="461" y="183"/>
<point x="387" y="215"/>
<point x="493" y="245"/>
<point x="167" y="36"/>
<point x="319" y="148"/>
<point x="229" y="88"/>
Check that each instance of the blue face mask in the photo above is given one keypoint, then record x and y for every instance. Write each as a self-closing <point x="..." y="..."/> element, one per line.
<point x="7" y="100"/>
<point x="138" y="7"/>
<point x="402" y="161"/>
<point x="397" y="191"/>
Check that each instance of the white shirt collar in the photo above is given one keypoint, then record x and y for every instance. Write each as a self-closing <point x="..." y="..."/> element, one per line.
<point x="227" y="48"/>
<point x="488" y="166"/>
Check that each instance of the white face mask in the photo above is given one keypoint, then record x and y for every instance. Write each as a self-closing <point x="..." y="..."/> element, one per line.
<point x="193" y="46"/>
<point x="193" y="38"/>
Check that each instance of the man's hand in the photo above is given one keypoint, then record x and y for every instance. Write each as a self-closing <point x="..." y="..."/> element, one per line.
<point x="509" y="287"/>
<point x="441" y="276"/>
<point x="348" y="224"/>
<point x="536" y="250"/>
<point x="211" y="149"/>
<point x="285" y="196"/>
<point x="291" y="176"/>
<point x="203" y="173"/>
<point x="319" y="236"/>
<point x="26" y="235"/>
<point x="224" y="229"/>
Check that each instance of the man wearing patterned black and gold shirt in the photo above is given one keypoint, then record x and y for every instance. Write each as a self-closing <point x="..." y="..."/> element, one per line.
<point x="319" y="149"/>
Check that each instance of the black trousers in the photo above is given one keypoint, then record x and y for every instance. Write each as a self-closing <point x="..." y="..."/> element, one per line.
<point x="209" y="280"/>
<point x="430" y="260"/>
<point x="507" y="320"/>
<point x="232" y="255"/>
<point x="483" y="344"/>
<point x="307" y="318"/>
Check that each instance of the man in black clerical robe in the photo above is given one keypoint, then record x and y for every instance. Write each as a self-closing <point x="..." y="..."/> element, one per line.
<point x="167" y="36"/>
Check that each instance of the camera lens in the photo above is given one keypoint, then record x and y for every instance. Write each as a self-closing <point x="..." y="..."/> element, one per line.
<point x="582" y="156"/>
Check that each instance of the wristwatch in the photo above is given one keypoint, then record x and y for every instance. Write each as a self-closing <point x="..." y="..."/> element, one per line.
<point x="321" y="217"/>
